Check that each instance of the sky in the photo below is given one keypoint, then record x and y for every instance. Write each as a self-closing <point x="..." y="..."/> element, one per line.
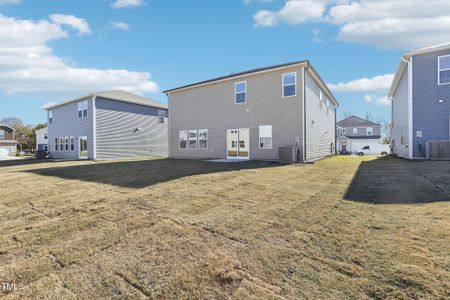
<point x="51" y="51"/>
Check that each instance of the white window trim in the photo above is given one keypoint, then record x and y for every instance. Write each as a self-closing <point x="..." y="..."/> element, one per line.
<point x="2" y="134"/>
<point x="235" y="92"/>
<point x="71" y="143"/>
<point x="271" y="137"/>
<point x="50" y="117"/>
<point x="283" y="85"/>
<point x="55" y="146"/>
<point x="343" y="131"/>
<point x="189" y="139"/>
<point x="161" y="114"/>
<point x="179" y="139"/>
<point x="66" y="143"/>
<point x="61" y="144"/>
<point x="355" y="130"/>
<point x="367" y="131"/>
<point x="207" y="139"/>
<point x="83" y="106"/>
<point x="439" y="70"/>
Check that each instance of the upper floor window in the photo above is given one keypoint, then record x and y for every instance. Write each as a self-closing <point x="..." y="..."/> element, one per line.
<point x="444" y="69"/>
<point x="369" y="131"/>
<point x="45" y="136"/>
<point x="289" y="84"/>
<point x="355" y="130"/>
<point x="240" y="90"/>
<point x="82" y="109"/>
<point x="50" y="117"/>
<point x="161" y="116"/>
<point x="2" y="134"/>
<point x="343" y="131"/>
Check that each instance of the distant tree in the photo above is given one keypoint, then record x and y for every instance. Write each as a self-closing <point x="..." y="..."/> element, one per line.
<point x="12" y="122"/>
<point x="369" y="116"/>
<point x="24" y="136"/>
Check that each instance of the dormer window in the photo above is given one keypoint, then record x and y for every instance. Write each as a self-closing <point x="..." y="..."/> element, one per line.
<point x="240" y="90"/>
<point x="444" y="69"/>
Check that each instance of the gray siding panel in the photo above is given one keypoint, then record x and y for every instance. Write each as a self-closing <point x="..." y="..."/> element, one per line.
<point x="400" y="120"/>
<point x="213" y="107"/>
<point x="66" y="123"/>
<point x="320" y="122"/>
<point x="429" y="115"/>
<point x="116" y="132"/>
<point x="362" y="131"/>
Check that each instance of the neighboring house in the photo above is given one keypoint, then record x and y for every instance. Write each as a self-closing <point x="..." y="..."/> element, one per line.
<point x="109" y="124"/>
<point x="249" y="115"/>
<point x="8" y="144"/>
<point x="420" y="95"/>
<point x="42" y="139"/>
<point x="354" y="133"/>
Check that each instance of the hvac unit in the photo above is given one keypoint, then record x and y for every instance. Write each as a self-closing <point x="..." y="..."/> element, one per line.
<point x="438" y="149"/>
<point x="287" y="154"/>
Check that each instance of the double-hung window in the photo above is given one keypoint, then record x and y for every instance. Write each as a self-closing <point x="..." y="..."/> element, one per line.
<point x="444" y="69"/>
<point x="240" y="91"/>
<point x="82" y="109"/>
<point x="72" y="143"/>
<point x="355" y="130"/>
<point x="2" y="134"/>
<point x="45" y="136"/>
<point x="289" y="83"/>
<point x="61" y="144"/>
<point x="265" y="137"/>
<point x="203" y="138"/>
<point x="369" y="131"/>
<point x="182" y="139"/>
<point x="56" y="144"/>
<point x="161" y="116"/>
<point x="343" y="131"/>
<point x="66" y="143"/>
<point x="193" y="139"/>
<point x="50" y="117"/>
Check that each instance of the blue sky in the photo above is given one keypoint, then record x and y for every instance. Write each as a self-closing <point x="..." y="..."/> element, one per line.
<point x="54" y="50"/>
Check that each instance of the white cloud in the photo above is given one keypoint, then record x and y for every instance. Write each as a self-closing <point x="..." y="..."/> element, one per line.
<point x="81" y="25"/>
<point x="127" y="3"/>
<point x="379" y="100"/>
<point x="4" y="2"/>
<point x="120" y="26"/>
<point x="28" y="65"/>
<point x="377" y="83"/>
<point x="293" y="12"/>
<point x="399" y="24"/>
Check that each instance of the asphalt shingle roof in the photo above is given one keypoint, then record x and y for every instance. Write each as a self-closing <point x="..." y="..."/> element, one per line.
<point x="354" y="121"/>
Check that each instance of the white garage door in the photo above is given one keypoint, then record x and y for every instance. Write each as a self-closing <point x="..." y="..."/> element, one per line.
<point x="6" y="150"/>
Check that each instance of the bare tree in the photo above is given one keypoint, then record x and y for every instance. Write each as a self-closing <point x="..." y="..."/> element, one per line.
<point x="369" y="116"/>
<point x="386" y="126"/>
<point x="346" y="114"/>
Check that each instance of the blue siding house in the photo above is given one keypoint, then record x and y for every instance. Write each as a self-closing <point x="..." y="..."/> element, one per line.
<point x="420" y="95"/>
<point x="107" y="125"/>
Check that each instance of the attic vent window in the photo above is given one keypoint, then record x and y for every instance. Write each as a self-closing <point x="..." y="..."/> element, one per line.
<point x="289" y="84"/>
<point x="444" y="69"/>
<point x="161" y="116"/>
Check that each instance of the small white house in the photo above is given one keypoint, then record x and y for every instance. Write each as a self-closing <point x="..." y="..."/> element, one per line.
<point x="42" y="139"/>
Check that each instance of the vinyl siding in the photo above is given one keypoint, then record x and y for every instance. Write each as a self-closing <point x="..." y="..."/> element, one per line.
<point x="400" y="120"/>
<point x="429" y="116"/>
<point x="213" y="107"/>
<point x="320" y="124"/>
<point x="362" y="131"/>
<point x="66" y="123"/>
<point x="116" y="124"/>
<point x="9" y="133"/>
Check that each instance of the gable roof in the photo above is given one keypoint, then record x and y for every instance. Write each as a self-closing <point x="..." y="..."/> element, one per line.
<point x="354" y="121"/>
<point x="117" y="95"/>
<point x="405" y="59"/>
<point x="304" y="63"/>
<point x="7" y="126"/>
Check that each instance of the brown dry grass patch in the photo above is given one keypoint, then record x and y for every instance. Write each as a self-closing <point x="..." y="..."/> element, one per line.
<point x="347" y="228"/>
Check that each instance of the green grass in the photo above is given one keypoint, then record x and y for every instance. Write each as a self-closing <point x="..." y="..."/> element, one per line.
<point x="346" y="227"/>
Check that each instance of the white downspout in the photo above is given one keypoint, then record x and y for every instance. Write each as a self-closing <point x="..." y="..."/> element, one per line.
<point x="94" y="128"/>
<point x="410" y="104"/>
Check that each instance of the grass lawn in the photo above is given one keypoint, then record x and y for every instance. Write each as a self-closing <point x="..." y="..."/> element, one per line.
<point x="345" y="227"/>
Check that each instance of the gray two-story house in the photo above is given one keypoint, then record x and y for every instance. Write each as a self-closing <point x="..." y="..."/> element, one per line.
<point x="354" y="133"/>
<point x="420" y="95"/>
<point x="104" y="125"/>
<point x="251" y="114"/>
<point x="8" y="144"/>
